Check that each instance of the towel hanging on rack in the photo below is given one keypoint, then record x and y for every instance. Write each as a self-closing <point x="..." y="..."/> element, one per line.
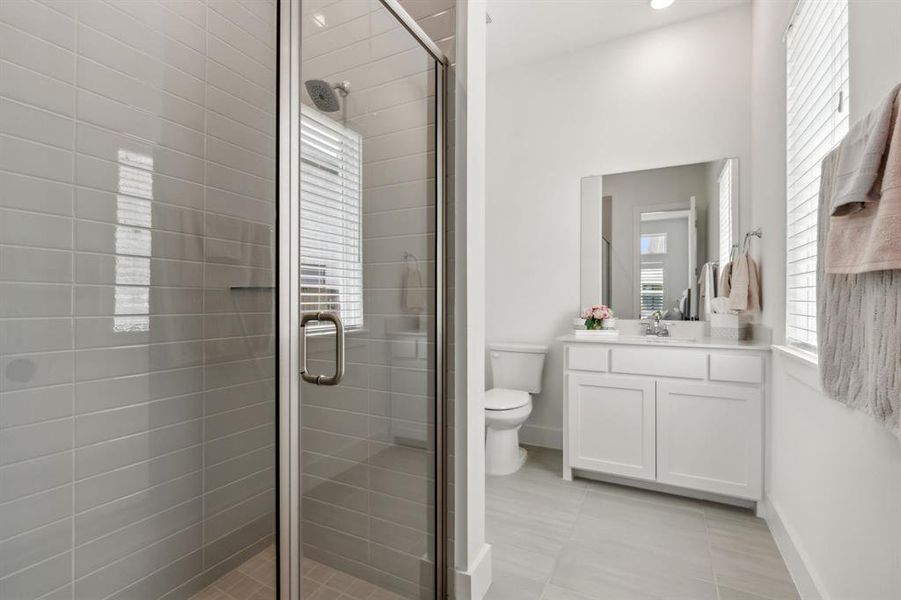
<point x="413" y="295"/>
<point x="858" y="327"/>
<point x="724" y="288"/>
<point x="745" y="293"/>
<point x="706" y="289"/>
<point x="870" y="238"/>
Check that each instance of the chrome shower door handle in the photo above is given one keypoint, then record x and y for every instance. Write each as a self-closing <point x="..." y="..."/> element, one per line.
<point x="339" y="348"/>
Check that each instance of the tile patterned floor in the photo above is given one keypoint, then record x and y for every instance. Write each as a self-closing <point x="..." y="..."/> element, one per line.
<point x="584" y="540"/>
<point x="321" y="582"/>
<point x="255" y="580"/>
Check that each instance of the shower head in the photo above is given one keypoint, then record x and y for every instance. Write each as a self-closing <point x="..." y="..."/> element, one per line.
<point x="323" y="93"/>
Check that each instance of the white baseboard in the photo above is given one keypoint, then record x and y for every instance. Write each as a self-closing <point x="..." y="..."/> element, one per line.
<point x="539" y="435"/>
<point x="474" y="584"/>
<point x="808" y="584"/>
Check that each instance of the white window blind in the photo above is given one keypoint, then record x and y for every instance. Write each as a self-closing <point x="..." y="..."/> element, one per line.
<point x="725" y="204"/>
<point x="817" y="120"/>
<point x="331" y="277"/>
<point x="651" y="295"/>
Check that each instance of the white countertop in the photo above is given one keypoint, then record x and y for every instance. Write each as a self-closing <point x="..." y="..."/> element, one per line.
<point x="636" y="340"/>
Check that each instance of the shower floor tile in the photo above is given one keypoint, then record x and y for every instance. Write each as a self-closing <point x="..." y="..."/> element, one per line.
<point x="254" y="579"/>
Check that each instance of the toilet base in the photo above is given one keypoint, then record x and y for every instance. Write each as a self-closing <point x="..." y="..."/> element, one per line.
<point x="506" y="462"/>
<point x="523" y="456"/>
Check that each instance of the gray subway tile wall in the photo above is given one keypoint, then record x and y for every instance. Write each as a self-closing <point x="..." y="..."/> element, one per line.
<point x="137" y="400"/>
<point x="368" y="444"/>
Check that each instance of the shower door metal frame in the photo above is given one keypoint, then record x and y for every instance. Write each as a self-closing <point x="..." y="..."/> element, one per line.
<point x="288" y="296"/>
<point x="289" y="467"/>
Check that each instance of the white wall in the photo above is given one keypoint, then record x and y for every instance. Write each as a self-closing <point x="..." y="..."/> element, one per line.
<point x="675" y="102"/>
<point x="471" y="553"/>
<point x="833" y="474"/>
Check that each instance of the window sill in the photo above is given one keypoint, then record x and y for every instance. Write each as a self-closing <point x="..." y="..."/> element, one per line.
<point x="802" y="356"/>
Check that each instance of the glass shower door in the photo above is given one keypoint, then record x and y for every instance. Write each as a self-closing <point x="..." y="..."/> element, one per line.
<point x="368" y="249"/>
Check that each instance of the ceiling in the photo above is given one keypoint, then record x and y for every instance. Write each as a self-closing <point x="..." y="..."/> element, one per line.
<point x="523" y="31"/>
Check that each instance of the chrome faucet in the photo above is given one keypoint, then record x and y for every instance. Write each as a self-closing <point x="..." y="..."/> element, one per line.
<point x="657" y="327"/>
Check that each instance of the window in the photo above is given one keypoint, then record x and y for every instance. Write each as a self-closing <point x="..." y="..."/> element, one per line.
<point x="653" y="243"/>
<point x="816" y="121"/>
<point x="331" y="270"/>
<point x="726" y="183"/>
<point x="650" y="293"/>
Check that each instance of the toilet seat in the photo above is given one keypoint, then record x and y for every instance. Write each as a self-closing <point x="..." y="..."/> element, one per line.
<point x="504" y="399"/>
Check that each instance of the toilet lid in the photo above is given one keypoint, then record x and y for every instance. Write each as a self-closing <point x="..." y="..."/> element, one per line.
<point x="502" y="399"/>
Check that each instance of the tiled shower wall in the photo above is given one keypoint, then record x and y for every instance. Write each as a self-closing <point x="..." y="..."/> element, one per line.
<point x="137" y="193"/>
<point x="368" y="447"/>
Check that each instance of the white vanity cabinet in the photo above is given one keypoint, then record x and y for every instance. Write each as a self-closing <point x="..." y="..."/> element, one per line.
<point x="612" y="424"/>
<point x="685" y="416"/>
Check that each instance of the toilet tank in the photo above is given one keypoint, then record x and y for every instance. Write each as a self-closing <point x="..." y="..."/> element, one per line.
<point x="517" y="366"/>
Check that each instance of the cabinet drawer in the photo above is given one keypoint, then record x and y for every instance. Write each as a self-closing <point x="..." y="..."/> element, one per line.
<point x="660" y="362"/>
<point x="737" y="368"/>
<point x="586" y="358"/>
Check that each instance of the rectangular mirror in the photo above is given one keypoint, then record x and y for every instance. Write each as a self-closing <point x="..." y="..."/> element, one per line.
<point x="646" y="235"/>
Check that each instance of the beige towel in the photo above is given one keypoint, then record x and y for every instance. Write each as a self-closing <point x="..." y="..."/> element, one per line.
<point x="870" y="239"/>
<point x="414" y="298"/>
<point x="745" y="293"/>
<point x="725" y="285"/>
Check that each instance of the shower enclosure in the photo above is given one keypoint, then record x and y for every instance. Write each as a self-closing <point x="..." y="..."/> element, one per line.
<point x="173" y="207"/>
<point x="369" y="148"/>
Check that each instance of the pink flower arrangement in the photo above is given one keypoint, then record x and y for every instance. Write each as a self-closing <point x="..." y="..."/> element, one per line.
<point x="594" y="315"/>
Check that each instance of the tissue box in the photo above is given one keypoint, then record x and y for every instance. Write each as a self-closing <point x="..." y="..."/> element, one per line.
<point x="730" y="326"/>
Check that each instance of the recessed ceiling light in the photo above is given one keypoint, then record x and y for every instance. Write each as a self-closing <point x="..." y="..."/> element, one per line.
<point x="661" y="4"/>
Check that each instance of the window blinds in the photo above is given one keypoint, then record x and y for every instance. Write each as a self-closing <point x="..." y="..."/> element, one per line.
<point x="725" y="204"/>
<point x="331" y="271"/>
<point x="817" y="119"/>
<point x="651" y="296"/>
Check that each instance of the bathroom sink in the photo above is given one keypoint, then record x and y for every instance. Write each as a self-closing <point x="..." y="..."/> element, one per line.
<point x="669" y="340"/>
<point x="651" y="339"/>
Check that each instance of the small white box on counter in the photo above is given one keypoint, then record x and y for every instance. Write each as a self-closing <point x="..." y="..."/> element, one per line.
<point x="731" y="326"/>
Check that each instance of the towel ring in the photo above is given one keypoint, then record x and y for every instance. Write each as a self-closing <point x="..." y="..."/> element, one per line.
<point x="755" y="233"/>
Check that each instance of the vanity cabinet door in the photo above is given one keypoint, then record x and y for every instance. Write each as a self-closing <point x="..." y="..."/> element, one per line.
<point x="611" y="424"/>
<point x="709" y="437"/>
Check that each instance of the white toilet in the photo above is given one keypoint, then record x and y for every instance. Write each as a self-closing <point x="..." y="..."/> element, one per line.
<point x="517" y="375"/>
